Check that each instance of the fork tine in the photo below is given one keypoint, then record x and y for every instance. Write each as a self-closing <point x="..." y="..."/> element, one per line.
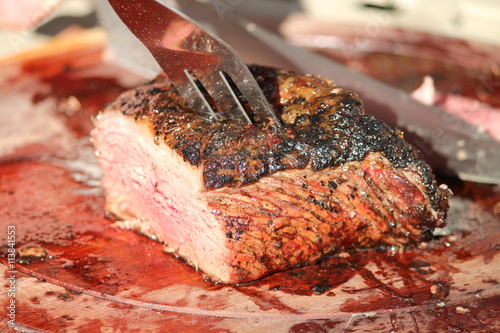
<point x="247" y="85"/>
<point x="221" y="92"/>
<point x="193" y="95"/>
<point x="179" y="45"/>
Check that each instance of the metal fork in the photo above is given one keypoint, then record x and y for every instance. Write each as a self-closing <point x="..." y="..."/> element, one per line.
<point x="190" y="55"/>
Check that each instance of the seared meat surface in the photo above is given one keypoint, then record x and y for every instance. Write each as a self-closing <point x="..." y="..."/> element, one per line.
<point x="241" y="202"/>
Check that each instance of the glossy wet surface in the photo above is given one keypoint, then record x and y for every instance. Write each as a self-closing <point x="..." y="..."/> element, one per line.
<point x="75" y="271"/>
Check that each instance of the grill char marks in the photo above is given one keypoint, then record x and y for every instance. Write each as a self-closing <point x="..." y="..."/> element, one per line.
<point x="324" y="127"/>
<point x="298" y="216"/>
<point x="241" y="202"/>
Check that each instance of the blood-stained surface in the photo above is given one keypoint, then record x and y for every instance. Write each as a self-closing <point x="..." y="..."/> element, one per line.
<point x="75" y="271"/>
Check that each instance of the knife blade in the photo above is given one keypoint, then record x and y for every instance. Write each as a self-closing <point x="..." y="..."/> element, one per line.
<point x="449" y="144"/>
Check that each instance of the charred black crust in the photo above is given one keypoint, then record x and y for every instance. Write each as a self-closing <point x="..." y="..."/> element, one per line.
<point x="329" y="130"/>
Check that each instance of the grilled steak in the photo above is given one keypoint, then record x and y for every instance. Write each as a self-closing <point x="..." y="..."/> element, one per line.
<point x="241" y="202"/>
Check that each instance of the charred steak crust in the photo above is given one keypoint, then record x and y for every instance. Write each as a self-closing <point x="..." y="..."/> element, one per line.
<point x="324" y="127"/>
<point x="242" y="202"/>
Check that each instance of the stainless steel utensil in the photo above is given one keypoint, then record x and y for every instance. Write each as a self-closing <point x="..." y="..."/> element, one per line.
<point x="191" y="56"/>
<point x="447" y="143"/>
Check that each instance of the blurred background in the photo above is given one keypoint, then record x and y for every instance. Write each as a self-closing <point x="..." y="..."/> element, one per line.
<point x="400" y="42"/>
<point x="476" y="20"/>
<point x="444" y="53"/>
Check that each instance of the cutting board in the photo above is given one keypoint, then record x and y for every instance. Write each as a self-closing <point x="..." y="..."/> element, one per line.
<point x="75" y="271"/>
